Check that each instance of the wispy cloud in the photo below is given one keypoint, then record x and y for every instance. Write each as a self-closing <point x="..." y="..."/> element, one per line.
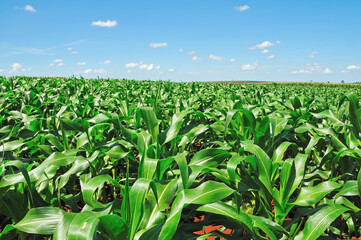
<point x="158" y="45"/>
<point x="57" y="62"/>
<point x="249" y="66"/>
<point x="195" y="58"/>
<point x="131" y="65"/>
<point x="106" y="62"/>
<point x="107" y="23"/>
<point x="180" y="50"/>
<point x="71" y="51"/>
<point x="271" y="57"/>
<point x="26" y="50"/>
<point x="265" y="51"/>
<point x="327" y="70"/>
<point x="191" y="52"/>
<point x="81" y="63"/>
<point x="29" y="8"/>
<point x="148" y="67"/>
<point x="232" y="60"/>
<point x="263" y="45"/>
<point x="242" y="8"/>
<point x="15" y="67"/>
<point x="313" y="54"/>
<point x="91" y="70"/>
<point x="217" y="58"/>
<point x="170" y="70"/>
<point x="18" y="68"/>
<point x="353" y="67"/>
<point x="300" y="71"/>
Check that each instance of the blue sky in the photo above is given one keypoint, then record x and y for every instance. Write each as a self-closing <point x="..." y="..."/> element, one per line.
<point x="188" y="40"/>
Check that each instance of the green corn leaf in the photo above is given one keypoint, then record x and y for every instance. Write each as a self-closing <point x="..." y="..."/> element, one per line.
<point x="311" y="195"/>
<point x="320" y="221"/>
<point x="83" y="226"/>
<point x="355" y="111"/>
<point x="113" y="226"/>
<point x="264" y="165"/>
<point x="207" y="192"/>
<point x="349" y="189"/>
<point x="61" y="231"/>
<point x="209" y="157"/>
<point x="117" y="152"/>
<point x="11" y="146"/>
<point x="151" y="122"/>
<point x="41" y="220"/>
<point x="174" y="128"/>
<point x="71" y="125"/>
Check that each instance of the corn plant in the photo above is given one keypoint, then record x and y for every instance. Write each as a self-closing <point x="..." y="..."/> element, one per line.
<point x="121" y="159"/>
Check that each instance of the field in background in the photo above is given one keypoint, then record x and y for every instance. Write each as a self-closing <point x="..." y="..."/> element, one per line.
<point x="119" y="159"/>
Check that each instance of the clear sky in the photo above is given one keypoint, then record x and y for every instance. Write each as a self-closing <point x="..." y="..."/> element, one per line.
<point x="188" y="40"/>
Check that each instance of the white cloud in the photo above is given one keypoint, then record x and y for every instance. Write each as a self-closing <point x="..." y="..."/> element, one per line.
<point x="278" y="42"/>
<point x="143" y="66"/>
<point x="74" y="52"/>
<point x="232" y="60"/>
<point x="217" y="58"/>
<point x="106" y="62"/>
<point x="29" y="8"/>
<point x="90" y="70"/>
<point x="101" y="70"/>
<point x="129" y="71"/>
<point x="147" y="67"/>
<point x="180" y="50"/>
<point x="271" y="57"/>
<point x="262" y="45"/>
<point x="301" y="71"/>
<point x="265" y="51"/>
<point x="315" y="67"/>
<point x="2" y="70"/>
<point x="327" y="70"/>
<point x="131" y="65"/>
<point x="249" y="66"/>
<point x="191" y="52"/>
<point x="150" y="67"/>
<point x="353" y="67"/>
<point x="195" y="58"/>
<point x="157" y="45"/>
<point x="313" y="54"/>
<point x="17" y="67"/>
<point x="58" y="62"/>
<point x="170" y="70"/>
<point x="81" y="63"/>
<point x="107" y="23"/>
<point x="242" y="8"/>
<point x="70" y="48"/>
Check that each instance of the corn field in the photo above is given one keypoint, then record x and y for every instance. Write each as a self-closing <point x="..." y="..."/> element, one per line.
<point x="119" y="159"/>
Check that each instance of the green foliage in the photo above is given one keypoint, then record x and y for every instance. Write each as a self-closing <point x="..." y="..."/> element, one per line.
<point x="119" y="159"/>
